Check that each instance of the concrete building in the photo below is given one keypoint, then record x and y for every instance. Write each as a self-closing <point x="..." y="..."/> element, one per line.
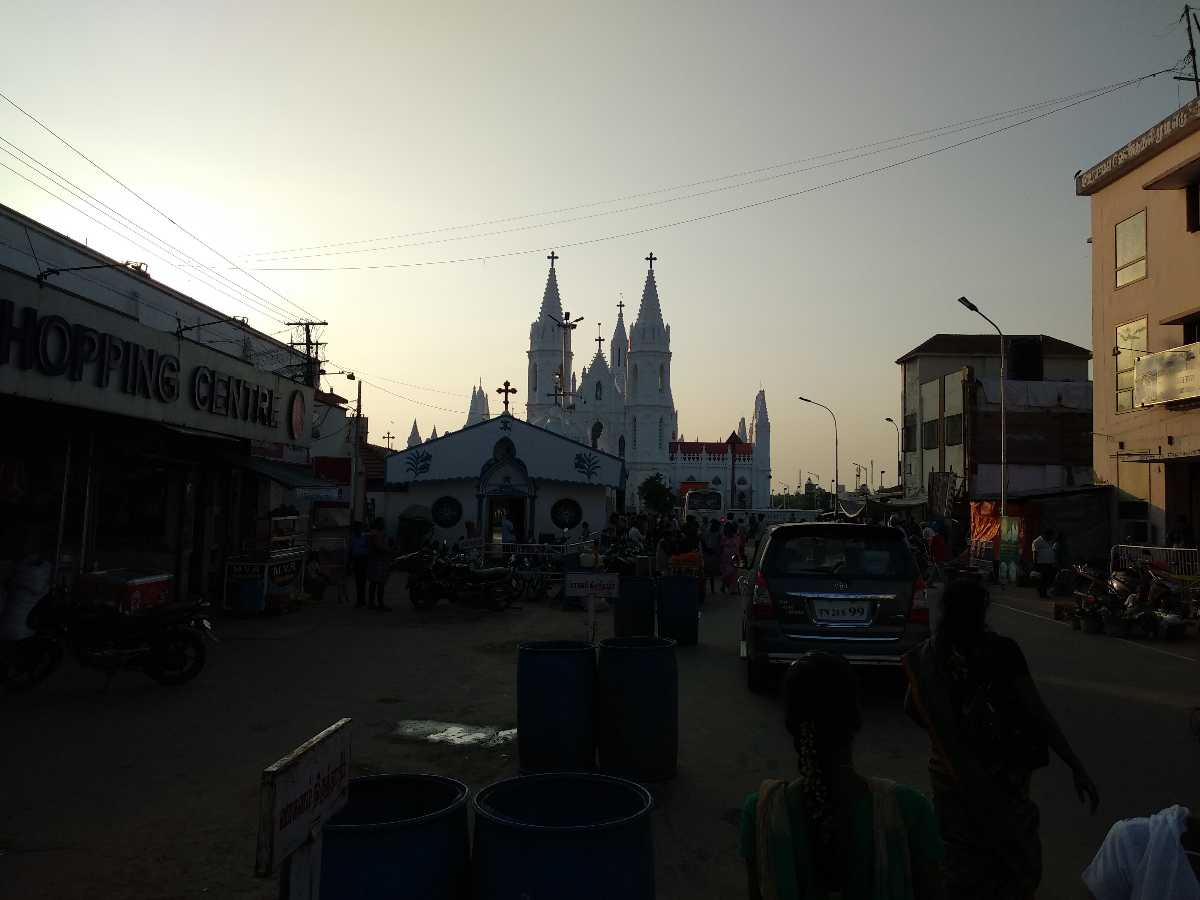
<point x="950" y="395"/>
<point x="1145" y="237"/>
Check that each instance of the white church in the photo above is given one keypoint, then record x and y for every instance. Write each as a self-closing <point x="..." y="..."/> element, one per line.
<point x="621" y="404"/>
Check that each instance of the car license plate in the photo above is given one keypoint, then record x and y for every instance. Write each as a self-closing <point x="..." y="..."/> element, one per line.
<point x="841" y="612"/>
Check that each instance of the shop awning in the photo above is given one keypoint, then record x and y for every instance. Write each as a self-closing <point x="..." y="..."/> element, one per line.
<point x="290" y="476"/>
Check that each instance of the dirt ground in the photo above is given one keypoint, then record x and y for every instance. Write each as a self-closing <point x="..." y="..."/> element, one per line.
<point x="151" y="792"/>
<point x="143" y="791"/>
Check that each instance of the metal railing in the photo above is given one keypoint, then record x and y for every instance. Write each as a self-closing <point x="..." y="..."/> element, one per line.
<point x="1180" y="561"/>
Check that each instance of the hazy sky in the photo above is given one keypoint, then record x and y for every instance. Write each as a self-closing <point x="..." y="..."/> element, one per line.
<point x="271" y="126"/>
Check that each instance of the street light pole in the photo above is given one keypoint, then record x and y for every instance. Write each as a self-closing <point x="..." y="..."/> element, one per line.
<point x="899" y="467"/>
<point x="1003" y="406"/>
<point x="836" y="479"/>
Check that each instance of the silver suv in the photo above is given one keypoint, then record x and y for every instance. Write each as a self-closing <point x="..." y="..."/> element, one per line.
<point x="838" y="587"/>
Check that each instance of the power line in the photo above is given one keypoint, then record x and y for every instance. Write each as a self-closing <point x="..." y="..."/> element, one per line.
<point x="160" y="212"/>
<point x="712" y="215"/>
<point x="380" y="387"/>
<point x="419" y="387"/>
<point x="927" y="134"/>
<point x="245" y="297"/>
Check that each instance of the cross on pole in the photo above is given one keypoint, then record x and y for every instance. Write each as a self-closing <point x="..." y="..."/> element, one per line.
<point x="599" y="338"/>
<point x="506" y="390"/>
<point x="389" y="437"/>
<point x="552" y="257"/>
<point x="650" y="259"/>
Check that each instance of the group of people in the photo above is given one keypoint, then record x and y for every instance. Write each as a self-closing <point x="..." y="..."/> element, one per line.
<point x="835" y="832"/>
<point x="369" y="559"/>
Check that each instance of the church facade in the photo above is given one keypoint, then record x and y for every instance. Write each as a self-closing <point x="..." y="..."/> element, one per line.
<point x="622" y="404"/>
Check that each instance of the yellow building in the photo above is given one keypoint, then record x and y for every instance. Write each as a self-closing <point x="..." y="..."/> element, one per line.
<point x="1145" y="237"/>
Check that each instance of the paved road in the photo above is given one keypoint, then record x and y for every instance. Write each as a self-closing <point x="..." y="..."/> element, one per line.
<point x="147" y="792"/>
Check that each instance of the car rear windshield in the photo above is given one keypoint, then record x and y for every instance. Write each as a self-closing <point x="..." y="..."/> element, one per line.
<point x="824" y="553"/>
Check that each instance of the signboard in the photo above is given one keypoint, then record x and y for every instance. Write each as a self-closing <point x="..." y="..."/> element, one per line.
<point x="300" y="793"/>
<point x="1168" y="132"/>
<point x="1166" y="376"/>
<point x="588" y="584"/>
<point x="61" y="349"/>
<point x="1010" y="547"/>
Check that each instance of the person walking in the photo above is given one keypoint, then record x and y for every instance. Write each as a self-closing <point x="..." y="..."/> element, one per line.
<point x="1148" y="857"/>
<point x="989" y="730"/>
<point x="710" y="548"/>
<point x="1043" y="560"/>
<point x="729" y="557"/>
<point x="379" y="564"/>
<point x="358" y="551"/>
<point x="833" y="832"/>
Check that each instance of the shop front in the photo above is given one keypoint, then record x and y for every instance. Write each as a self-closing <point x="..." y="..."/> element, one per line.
<point x="128" y="451"/>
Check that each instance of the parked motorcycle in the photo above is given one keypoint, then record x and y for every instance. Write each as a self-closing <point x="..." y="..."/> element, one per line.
<point x="434" y="575"/>
<point x="1141" y="602"/>
<point x="167" y="644"/>
<point x="1089" y="588"/>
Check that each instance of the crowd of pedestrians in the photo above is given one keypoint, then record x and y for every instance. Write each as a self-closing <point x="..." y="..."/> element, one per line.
<point x="833" y="832"/>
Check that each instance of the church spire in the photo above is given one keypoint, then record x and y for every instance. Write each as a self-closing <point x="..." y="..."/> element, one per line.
<point x="649" y="327"/>
<point x="414" y="436"/>
<point x="551" y="302"/>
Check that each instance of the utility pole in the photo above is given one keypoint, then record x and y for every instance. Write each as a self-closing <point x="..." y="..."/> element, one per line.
<point x="312" y="349"/>
<point x="354" y="463"/>
<point x="567" y="326"/>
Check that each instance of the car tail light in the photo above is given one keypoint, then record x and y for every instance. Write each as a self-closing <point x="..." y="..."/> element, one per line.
<point x="919" y="613"/>
<point x="761" y="604"/>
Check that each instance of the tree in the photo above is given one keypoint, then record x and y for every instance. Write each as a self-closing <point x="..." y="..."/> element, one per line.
<point x="655" y="496"/>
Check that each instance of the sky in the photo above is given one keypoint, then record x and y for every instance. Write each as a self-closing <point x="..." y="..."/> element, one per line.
<point x="263" y="127"/>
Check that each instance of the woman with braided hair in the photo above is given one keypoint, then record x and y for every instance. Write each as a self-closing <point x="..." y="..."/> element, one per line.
<point x="831" y="833"/>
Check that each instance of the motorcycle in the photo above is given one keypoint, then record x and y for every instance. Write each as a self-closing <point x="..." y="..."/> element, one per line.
<point x="1088" y="588"/>
<point x="433" y="575"/>
<point x="166" y="644"/>
<point x="1141" y="601"/>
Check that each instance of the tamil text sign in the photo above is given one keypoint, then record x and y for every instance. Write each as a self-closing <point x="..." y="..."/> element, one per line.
<point x="300" y="792"/>
<point x="588" y="584"/>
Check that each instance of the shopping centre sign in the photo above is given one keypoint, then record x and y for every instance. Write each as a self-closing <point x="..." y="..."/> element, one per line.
<point x="70" y="351"/>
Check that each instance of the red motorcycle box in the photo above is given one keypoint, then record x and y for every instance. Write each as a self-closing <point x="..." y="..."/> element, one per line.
<point x="127" y="590"/>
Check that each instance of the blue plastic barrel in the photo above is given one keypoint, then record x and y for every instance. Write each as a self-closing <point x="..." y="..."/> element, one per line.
<point x="399" y="837"/>
<point x="637" y="708"/>
<point x="679" y="609"/>
<point x="556" y="684"/>
<point x="633" y="610"/>
<point x="563" y="835"/>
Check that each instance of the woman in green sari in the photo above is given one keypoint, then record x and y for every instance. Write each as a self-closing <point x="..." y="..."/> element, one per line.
<point x="831" y="833"/>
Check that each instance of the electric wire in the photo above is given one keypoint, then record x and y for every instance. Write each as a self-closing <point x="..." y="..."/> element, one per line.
<point x="960" y="125"/>
<point x="717" y="213"/>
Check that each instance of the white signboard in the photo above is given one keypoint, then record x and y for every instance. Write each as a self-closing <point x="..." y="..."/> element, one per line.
<point x="1166" y="376"/>
<point x="300" y="792"/>
<point x="589" y="584"/>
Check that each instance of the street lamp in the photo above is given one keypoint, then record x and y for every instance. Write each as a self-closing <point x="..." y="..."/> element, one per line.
<point x="967" y="304"/>
<point x="899" y="467"/>
<point x="835" y="447"/>
<point x="859" y="468"/>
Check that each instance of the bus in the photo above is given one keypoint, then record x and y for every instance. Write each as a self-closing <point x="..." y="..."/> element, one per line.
<point x="704" y="504"/>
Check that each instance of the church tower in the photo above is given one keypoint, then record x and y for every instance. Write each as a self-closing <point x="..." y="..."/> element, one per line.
<point x="651" y="420"/>
<point x="618" y="349"/>
<point x="761" y="481"/>
<point x="546" y="353"/>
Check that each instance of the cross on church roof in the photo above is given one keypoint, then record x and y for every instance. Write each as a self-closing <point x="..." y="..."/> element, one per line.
<point x="506" y="390"/>
<point x="650" y="259"/>
<point x="552" y="257"/>
<point x="599" y="339"/>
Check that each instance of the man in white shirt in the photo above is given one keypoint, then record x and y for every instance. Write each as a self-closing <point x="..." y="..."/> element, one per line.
<point x="1151" y="858"/>
<point x="1043" y="560"/>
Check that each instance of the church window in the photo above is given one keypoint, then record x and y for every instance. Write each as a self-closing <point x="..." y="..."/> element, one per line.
<point x="533" y="379"/>
<point x="633" y="384"/>
<point x="597" y="430"/>
<point x="660" y="433"/>
<point x="621" y="447"/>
<point x="599" y="391"/>
<point x="662" y="379"/>
<point x="635" y="434"/>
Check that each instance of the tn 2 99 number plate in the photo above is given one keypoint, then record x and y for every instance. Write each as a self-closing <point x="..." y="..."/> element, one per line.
<point x="841" y="612"/>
